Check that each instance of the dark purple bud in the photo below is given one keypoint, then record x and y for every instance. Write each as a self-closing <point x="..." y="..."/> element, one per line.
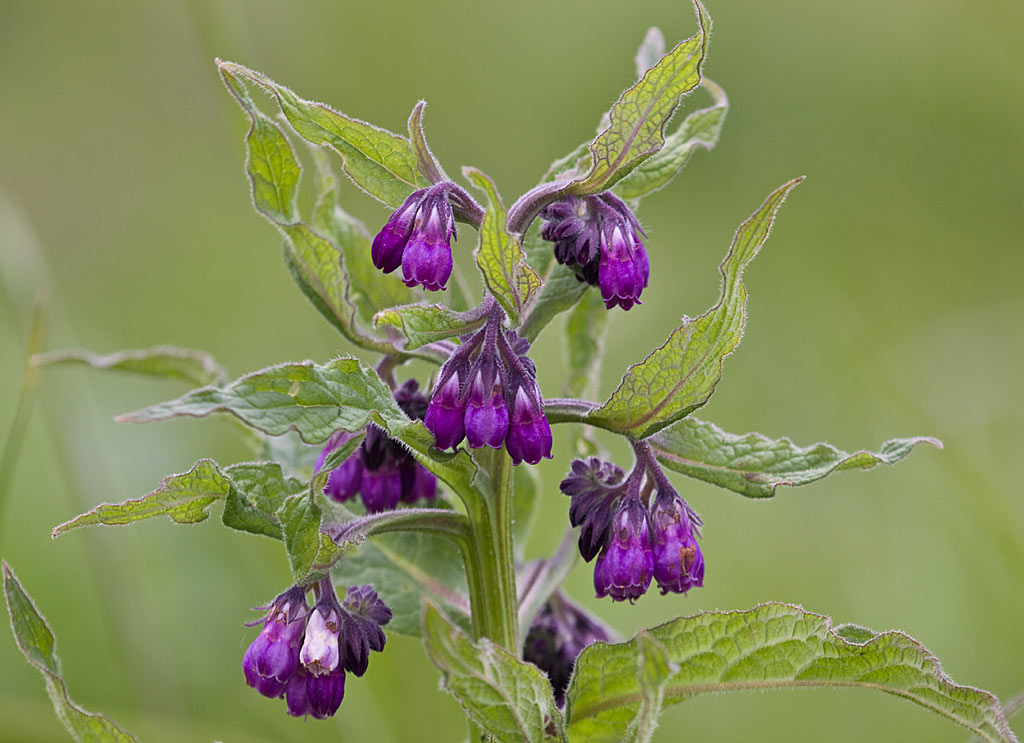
<point x="418" y="483"/>
<point x="428" y="253"/>
<point x="363" y="616"/>
<point x="324" y="693"/>
<point x="412" y="402"/>
<point x="625" y="565"/>
<point x="622" y="272"/>
<point x="556" y="638"/>
<point x="274" y="655"/>
<point x="381" y="488"/>
<point x="678" y="561"/>
<point x="343" y="482"/>
<point x="486" y="417"/>
<point x="295" y="694"/>
<point x="445" y="414"/>
<point x="529" y="433"/>
<point x="390" y="242"/>
<point x="594" y="486"/>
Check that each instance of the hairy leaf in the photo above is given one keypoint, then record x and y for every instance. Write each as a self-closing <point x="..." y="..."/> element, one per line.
<point x="426" y="323"/>
<point x="196" y="368"/>
<point x="637" y="120"/>
<point x="315" y="400"/>
<point x="428" y="165"/>
<point x="500" y="257"/>
<point x="509" y="699"/>
<point x="652" y="675"/>
<point x="754" y="465"/>
<point x="378" y="161"/>
<point x="252" y="493"/>
<point x="311" y="553"/>
<point x="701" y="129"/>
<point x="769" y="647"/>
<point x="37" y="643"/>
<point x="680" y="375"/>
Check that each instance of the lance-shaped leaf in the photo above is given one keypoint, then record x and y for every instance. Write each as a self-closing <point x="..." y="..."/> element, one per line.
<point x="428" y="165"/>
<point x="252" y="493"/>
<point x="426" y="323"/>
<point x="196" y="368"/>
<point x="37" y="643"/>
<point x="378" y="161"/>
<point x="754" y="465"/>
<point x="313" y="262"/>
<point x="680" y="375"/>
<point x="315" y="400"/>
<point x="652" y="675"/>
<point x="584" y="344"/>
<point x="500" y="257"/>
<point x="651" y="49"/>
<point x="772" y="646"/>
<point x="311" y="552"/>
<point x="700" y="129"/>
<point x="509" y="699"/>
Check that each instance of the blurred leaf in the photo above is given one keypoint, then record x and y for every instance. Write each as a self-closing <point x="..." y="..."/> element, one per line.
<point x="405" y="568"/>
<point x="652" y="48"/>
<point x="369" y="290"/>
<point x="252" y="493"/>
<point x="680" y="375"/>
<point x="196" y="368"/>
<point x="500" y="257"/>
<point x="39" y="646"/>
<point x="755" y="465"/>
<point x="378" y="161"/>
<point x="526" y="489"/>
<point x="584" y="344"/>
<point x="428" y="165"/>
<point x="560" y="292"/>
<point x="315" y="400"/>
<point x="427" y="323"/>
<point x="652" y="675"/>
<point x="509" y="699"/>
<point x="700" y="129"/>
<point x="637" y="120"/>
<point x="769" y="647"/>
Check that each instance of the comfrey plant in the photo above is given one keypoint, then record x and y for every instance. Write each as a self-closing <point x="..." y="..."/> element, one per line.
<point x="403" y="511"/>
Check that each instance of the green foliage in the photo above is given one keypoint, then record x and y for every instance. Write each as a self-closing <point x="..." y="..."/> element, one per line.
<point x="426" y="323"/>
<point x="507" y="698"/>
<point x="769" y="647"/>
<point x="428" y="165"/>
<point x="679" y="376"/>
<point x="653" y="671"/>
<point x="39" y="646"/>
<point x="501" y="259"/>
<point x="196" y="368"/>
<point x="755" y="465"/>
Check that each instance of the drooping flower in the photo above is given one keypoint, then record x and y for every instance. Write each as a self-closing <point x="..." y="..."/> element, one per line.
<point x="487" y="393"/>
<point x="594" y="487"/>
<point x="381" y="469"/>
<point x="417" y="237"/>
<point x="678" y="561"/>
<point x="320" y="654"/>
<point x="599" y="238"/>
<point x="361" y="631"/>
<point x="556" y="638"/>
<point x="626" y="564"/>
<point x="273" y="656"/>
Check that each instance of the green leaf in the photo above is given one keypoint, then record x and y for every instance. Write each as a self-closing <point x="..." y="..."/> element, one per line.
<point x="252" y="493"/>
<point x="500" y="257"/>
<point x="652" y="675"/>
<point x="378" y="161"/>
<point x="507" y="698"/>
<point x="584" y="344"/>
<point x="526" y="490"/>
<point x="426" y="323"/>
<point x="306" y="545"/>
<point x="652" y="48"/>
<point x="755" y="465"/>
<point x="37" y="643"/>
<point x="405" y="568"/>
<point x="701" y="129"/>
<point x="680" y="375"/>
<point x="637" y="121"/>
<point x="315" y="400"/>
<point x="769" y="647"/>
<point x="560" y="292"/>
<point x="428" y="165"/>
<point x="196" y="368"/>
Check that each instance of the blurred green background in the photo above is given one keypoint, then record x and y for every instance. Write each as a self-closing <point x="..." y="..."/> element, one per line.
<point x="886" y="303"/>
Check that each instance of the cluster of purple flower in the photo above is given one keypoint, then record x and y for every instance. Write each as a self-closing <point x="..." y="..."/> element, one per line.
<point x="418" y="237"/>
<point x="487" y="393"/>
<point x="302" y="654"/>
<point x="599" y="238"/>
<point x="633" y="542"/>
<point x="381" y="470"/>
<point x="556" y="638"/>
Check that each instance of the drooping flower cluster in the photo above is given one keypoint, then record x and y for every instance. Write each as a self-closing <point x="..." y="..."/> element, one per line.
<point x="599" y="238"/>
<point x="487" y="393"/>
<point x="418" y="237"/>
<point x="302" y="654"/>
<point x="556" y="638"/>
<point x="633" y="541"/>
<point x="381" y="470"/>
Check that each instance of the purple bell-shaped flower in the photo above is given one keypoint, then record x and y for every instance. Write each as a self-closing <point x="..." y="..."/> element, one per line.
<point x="417" y="237"/>
<point x="626" y="564"/>
<point x="678" y="561"/>
<point x="273" y="656"/>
